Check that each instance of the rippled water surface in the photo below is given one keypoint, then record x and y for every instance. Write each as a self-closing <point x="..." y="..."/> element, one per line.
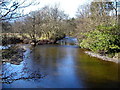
<point x="60" y="67"/>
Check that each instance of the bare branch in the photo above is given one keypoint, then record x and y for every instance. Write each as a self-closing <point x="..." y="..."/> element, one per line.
<point x="9" y="9"/>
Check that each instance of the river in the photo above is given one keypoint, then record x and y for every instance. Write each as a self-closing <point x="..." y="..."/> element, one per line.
<point x="62" y="66"/>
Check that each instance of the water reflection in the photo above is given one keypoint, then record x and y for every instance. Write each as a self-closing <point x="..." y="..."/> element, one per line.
<point x="4" y="47"/>
<point x="63" y="67"/>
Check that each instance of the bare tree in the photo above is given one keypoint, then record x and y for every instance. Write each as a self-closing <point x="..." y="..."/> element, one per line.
<point x="94" y="14"/>
<point x="9" y="9"/>
<point x="47" y="23"/>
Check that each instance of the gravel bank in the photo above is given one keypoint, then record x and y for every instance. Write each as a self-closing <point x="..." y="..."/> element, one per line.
<point x="102" y="57"/>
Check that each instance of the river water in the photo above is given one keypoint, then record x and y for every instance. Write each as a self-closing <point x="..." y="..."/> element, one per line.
<point x="62" y="66"/>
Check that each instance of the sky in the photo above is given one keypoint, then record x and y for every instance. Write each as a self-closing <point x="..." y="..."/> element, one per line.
<point x="69" y="6"/>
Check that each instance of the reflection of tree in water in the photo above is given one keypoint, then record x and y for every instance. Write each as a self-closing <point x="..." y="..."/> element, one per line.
<point x="47" y="55"/>
<point x="13" y="72"/>
<point x="10" y="74"/>
<point x="13" y="54"/>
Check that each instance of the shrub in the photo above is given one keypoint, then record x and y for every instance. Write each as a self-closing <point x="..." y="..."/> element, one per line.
<point x="103" y="39"/>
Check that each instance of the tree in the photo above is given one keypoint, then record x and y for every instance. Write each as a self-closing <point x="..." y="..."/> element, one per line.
<point x="9" y="9"/>
<point x="6" y="27"/>
<point x="46" y="23"/>
<point x="94" y="14"/>
<point x="97" y="27"/>
<point x="70" y="26"/>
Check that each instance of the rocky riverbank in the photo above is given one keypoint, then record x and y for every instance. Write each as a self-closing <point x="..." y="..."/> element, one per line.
<point x="13" y="55"/>
<point x="106" y="58"/>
